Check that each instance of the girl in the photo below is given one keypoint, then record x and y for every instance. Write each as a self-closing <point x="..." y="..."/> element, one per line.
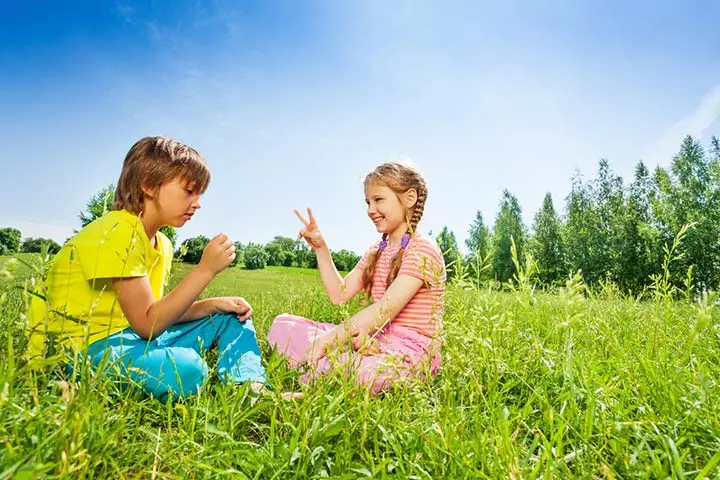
<point x="404" y="273"/>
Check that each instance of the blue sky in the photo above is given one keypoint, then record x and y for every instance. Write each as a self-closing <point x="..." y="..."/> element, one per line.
<point x="293" y="102"/>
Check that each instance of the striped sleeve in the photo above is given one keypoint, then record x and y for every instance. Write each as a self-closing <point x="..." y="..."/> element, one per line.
<point x="366" y="256"/>
<point x="423" y="260"/>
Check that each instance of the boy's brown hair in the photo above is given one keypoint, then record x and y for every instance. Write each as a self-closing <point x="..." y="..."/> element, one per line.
<point x="153" y="161"/>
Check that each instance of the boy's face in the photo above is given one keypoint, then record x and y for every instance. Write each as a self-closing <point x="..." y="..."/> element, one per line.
<point x="177" y="202"/>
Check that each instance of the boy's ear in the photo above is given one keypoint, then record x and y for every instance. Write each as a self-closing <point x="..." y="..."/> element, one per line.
<point x="148" y="192"/>
<point x="410" y="198"/>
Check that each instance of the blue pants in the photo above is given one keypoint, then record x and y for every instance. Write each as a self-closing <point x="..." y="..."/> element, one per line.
<point x="172" y="363"/>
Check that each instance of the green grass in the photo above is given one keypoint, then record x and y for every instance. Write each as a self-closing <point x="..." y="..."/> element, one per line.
<point x="532" y="385"/>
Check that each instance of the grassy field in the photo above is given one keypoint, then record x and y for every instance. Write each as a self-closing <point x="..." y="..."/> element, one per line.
<point x="533" y="385"/>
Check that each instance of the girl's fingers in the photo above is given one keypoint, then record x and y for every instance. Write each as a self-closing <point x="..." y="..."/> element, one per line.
<point x="302" y="219"/>
<point x="311" y="216"/>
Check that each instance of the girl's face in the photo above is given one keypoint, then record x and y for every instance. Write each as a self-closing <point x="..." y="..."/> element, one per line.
<point x="387" y="210"/>
<point x="176" y="202"/>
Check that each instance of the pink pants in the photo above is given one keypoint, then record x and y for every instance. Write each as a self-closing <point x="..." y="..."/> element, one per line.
<point x="403" y="353"/>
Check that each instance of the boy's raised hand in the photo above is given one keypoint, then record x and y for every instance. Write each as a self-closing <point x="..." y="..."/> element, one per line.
<point x="311" y="233"/>
<point x="218" y="254"/>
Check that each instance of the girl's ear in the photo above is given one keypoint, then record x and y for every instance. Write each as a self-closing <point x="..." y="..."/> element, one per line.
<point x="409" y="198"/>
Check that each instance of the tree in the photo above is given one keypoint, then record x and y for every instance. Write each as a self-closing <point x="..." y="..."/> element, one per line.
<point x="286" y="244"/>
<point x="194" y="248"/>
<point x="282" y="251"/>
<point x="508" y="225"/>
<point x="345" y="260"/>
<point x="478" y="244"/>
<point x="304" y="256"/>
<point x="9" y="240"/>
<point x="478" y="241"/>
<point x="547" y="245"/>
<point x="275" y="254"/>
<point x="690" y="193"/>
<point x="450" y="251"/>
<point x="36" y="245"/>
<point x="239" y="254"/>
<point x="255" y="257"/>
<point x="581" y="230"/>
<point x="98" y="205"/>
<point x="640" y="253"/>
<point x="609" y="203"/>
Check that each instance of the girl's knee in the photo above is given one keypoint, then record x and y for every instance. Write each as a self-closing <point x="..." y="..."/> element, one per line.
<point x="373" y="381"/>
<point x="280" y="328"/>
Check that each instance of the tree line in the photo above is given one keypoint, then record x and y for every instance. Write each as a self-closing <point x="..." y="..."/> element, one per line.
<point x="609" y="230"/>
<point x="281" y="251"/>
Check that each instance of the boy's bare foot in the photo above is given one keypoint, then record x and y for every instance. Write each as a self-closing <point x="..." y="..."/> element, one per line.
<point x="289" y="396"/>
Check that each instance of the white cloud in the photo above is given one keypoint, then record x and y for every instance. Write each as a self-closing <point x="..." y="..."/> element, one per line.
<point x="695" y="124"/>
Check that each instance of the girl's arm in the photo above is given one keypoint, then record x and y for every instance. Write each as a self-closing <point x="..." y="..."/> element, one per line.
<point x="339" y="289"/>
<point x="369" y="319"/>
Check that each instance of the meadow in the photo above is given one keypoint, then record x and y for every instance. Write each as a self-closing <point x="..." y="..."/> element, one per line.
<point x="533" y="385"/>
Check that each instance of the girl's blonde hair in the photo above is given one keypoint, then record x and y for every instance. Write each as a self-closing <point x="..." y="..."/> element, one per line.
<point x="153" y="161"/>
<point x="399" y="178"/>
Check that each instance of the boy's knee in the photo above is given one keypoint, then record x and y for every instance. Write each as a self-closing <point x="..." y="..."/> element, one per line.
<point x="230" y="318"/>
<point x="193" y="375"/>
<point x="223" y="317"/>
<point x="184" y="373"/>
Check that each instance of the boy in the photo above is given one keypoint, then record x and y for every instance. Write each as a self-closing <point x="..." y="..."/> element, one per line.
<point x="104" y="295"/>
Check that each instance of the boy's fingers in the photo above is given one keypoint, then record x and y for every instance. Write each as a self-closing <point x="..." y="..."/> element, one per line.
<point x="311" y="216"/>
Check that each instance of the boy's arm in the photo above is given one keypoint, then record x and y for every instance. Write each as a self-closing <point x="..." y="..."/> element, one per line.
<point x="199" y="309"/>
<point x="237" y="306"/>
<point x="148" y="317"/>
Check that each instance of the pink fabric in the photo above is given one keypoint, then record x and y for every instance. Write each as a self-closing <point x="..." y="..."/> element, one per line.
<point x="403" y="353"/>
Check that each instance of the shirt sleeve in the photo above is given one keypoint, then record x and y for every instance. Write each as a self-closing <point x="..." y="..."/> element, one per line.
<point x="421" y="260"/>
<point x="118" y="252"/>
<point x="366" y="257"/>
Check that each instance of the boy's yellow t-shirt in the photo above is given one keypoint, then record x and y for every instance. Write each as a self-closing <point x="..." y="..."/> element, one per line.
<point x="81" y="306"/>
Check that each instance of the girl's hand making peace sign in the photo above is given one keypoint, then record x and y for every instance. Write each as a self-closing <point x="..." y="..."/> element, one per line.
<point x="311" y="233"/>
